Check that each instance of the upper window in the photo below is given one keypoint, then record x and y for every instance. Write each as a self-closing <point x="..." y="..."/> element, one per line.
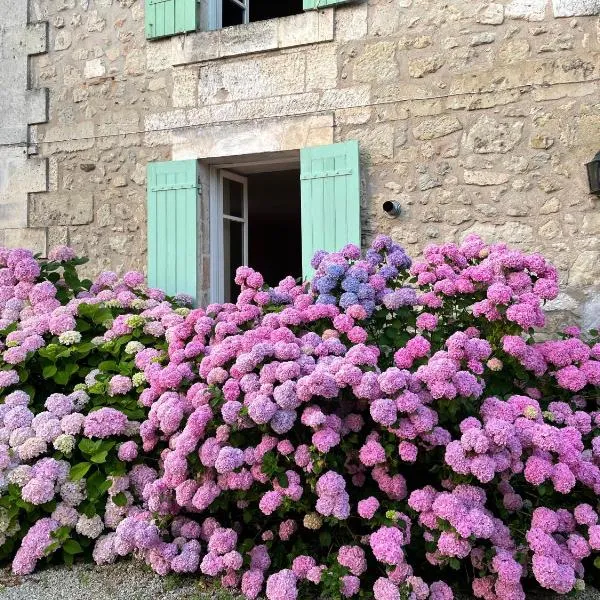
<point x="170" y="17"/>
<point x="238" y="12"/>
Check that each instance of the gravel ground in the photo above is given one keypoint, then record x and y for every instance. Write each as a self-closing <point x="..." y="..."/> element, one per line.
<point x="123" y="581"/>
<point x="131" y="581"/>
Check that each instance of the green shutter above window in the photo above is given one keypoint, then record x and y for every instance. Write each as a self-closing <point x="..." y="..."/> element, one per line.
<point x="169" y="17"/>
<point x="172" y="226"/>
<point x="316" y="4"/>
<point x="330" y="184"/>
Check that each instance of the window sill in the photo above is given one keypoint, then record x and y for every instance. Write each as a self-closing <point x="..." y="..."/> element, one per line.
<point x="310" y="27"/>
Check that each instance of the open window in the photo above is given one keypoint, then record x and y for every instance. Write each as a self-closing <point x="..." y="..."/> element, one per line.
<point x="255" y="221"/>
<point x="171" y="17"/>
<point x="271" y="212"/>
<point x="238" y="12"/>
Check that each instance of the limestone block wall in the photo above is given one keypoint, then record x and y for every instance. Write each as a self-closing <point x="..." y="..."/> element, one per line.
<point x="477" y="116"/>
<point x="21" y="172"/>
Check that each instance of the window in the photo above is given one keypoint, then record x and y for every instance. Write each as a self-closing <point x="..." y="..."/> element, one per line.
<point x="272" y="214"/>
<point x="171" y="17"/>
<point x="238" y="12"/>
<point x="255" y="221"/>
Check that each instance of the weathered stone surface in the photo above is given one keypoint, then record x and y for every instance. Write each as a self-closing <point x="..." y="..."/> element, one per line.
<point x="419" y="67"/>
<point x="486" y="178"/>
<point x="435" y="128"/>
<point x="585" y="270"/>
<point x="530" y="10"/>
<point x="575" y="8"/>
<point x="591" y="224"/>
<point x="489" y="135"/>
<point x="376" y="63"/>
<point x="50" y="209"/>
<point x="491" y="14"/>
<point x="94" y="68"/>
<point x="273" y="75"/>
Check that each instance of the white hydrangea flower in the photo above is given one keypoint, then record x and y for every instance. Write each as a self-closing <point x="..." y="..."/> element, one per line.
<point x="68" y="338"/>
<point x="313" y="521"/>
<point x="64" y="443"/>
<point x="182" y="311"/>
<point x="138" y="304"/>
<point x="73" y="492"/>
<point x="138" y="379"/>
<point x="4" y="520"/>
<point x="66" y="515"/>
<point x="90" y="527"/>
<point x="90" y="378"/>
<point x="80" y="399"/>
<point x="20" y="475"/>
<point x="135" y="321"/>
<point x="32" y="448"/>
<point x="98" y="340"/>
<point x="134" y="347"/>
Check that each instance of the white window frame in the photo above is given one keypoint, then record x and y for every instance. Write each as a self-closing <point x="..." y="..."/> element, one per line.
<point x="217" y="218"/>
<point x="216" y="12"/>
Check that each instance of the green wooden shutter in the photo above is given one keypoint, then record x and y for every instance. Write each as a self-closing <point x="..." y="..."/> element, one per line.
<point x="316" y="4"/>
<point x="169" y="17"/>
<point x="330" y="183"/>
<point x="172" y="226"/>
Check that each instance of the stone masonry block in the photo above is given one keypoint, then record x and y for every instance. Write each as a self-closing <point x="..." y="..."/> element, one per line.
<point x="575" y="8"/>
<point x="273" y="75"/>
<point x="58" y="209"/>
<point x="269" y="135"/>
<point x="19" y="176"/>
<point x="306" y="28"/>
<point x="33" y="239"/>
<point x="530" y="10"/>
<point x="253" y="37"/>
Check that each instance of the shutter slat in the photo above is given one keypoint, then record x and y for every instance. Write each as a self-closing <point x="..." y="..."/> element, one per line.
<point x="170" y="17"/>
<point x="172" y="222"/>
<point x="330" y="183"/>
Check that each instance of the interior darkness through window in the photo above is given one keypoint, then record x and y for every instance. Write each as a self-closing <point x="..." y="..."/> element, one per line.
<point x="232" y="14"/>
<point x="260" y="10"/>
<point x="274" y="232"/>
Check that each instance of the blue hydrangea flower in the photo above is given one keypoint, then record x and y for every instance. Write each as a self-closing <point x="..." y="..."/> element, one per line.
<point x="326" y="299"/>
<point x="325" y="284"/>
<point x="350" y="284"/>
<point x="336" y="271"/>
<point x="369" y="306"/>
<point x="348" y="299"/>
<point x="388" y="272"/>
<point x="366" y="292"/>
<point x="359" y="274"/>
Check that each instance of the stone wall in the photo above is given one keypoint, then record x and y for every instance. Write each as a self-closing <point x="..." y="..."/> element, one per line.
<point x="21" y="172"/>
<point x="475" y="116"/>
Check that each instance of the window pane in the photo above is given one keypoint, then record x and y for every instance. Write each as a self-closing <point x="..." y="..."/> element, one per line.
<point x="233" y="14"/>
<point x="233" y="198"/>
<point x="233" y="256"/>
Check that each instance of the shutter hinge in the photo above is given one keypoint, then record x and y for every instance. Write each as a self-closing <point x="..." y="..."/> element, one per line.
<point x="323" y="174"/>
<point x="168" y="188"/>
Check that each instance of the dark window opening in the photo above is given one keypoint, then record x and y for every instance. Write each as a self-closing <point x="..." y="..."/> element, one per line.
<point x="261" y="10"/>
<point x="233" y="14"/>
<point x="274" y="228"/>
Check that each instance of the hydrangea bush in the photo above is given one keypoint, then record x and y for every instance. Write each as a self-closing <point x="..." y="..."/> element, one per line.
<point x="384" y="431"/>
